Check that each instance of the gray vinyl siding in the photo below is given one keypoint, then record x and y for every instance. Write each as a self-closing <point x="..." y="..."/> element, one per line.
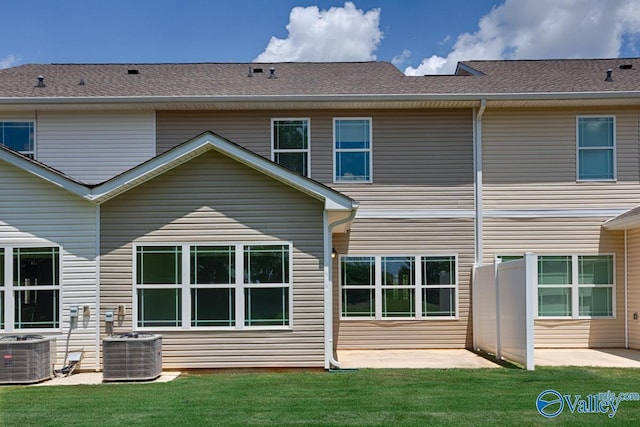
<point x="35" y="213"/>
<point x="408" y="237"/>
<point x="564" y="236"/>
<point x="95" y="146"/>
<point x="633" y="244"/>
<point x="422" y="159"/>
<point x="213" y="199"/>
<point x="529" y="161"/>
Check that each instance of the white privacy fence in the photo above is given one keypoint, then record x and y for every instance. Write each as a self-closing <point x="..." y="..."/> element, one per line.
<point x="503" y="304"/>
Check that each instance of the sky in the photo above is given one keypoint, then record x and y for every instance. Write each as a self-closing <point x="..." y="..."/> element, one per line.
<point x="419" y="37"/>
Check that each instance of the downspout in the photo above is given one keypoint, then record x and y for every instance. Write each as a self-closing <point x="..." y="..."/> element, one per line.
<point x="329" y="359"/>
<point x="477" y="169"/>
<point x="626" y="292"/>
<point x="97" y="308"/>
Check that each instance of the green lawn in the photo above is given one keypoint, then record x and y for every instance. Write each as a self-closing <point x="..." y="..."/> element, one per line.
<point x="480" y="397"/>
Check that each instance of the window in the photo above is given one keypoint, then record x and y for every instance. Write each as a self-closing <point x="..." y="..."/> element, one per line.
<point x="596" y="148"/>
<point x="290" y="144"/>
<point x="193" y="286"/>
<point x="36" y="288"/>
<point x="158" y="280"/>
<point x="575" y="286"/>
<point x="385" y="287"/>
<point x="352" y="150"/>
<point x="439" y="286"/>
<point x="18" y="136"/>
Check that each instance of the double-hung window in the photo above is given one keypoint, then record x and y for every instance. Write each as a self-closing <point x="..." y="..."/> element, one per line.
<point x="158" y="283"/>
<point x="30" y="280"/>
<point x="208" y="285"/>
<point x="18" y="136"/>
<point x="352" y="150"/>
<point x="290" y="144"/>
<point x="596" y="148"/>
<point x="387" y="287"/>
<point x="575" y="285"/>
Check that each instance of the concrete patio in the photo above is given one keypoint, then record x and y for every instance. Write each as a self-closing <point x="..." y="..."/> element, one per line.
<point x="446" y="359"/>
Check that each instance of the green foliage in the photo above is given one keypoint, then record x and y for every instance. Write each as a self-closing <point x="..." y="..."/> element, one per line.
<point x="386" y="397"/>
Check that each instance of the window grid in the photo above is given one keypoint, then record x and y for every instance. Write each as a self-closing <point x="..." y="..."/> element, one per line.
<point x="392" y="287"/>
<point x="576" y="286"/>
<point x="290" y="144"/>
<point x="210" y="293"/>
<point x="31" y="277"/>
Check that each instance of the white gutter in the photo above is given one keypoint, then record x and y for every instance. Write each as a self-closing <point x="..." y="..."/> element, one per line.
<point x="329" y="359"/>
<point x="477" y="169"/>
<point x="473" y="97"/>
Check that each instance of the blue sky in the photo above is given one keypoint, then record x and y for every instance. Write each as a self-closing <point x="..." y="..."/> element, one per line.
<point x="418" y="36"/>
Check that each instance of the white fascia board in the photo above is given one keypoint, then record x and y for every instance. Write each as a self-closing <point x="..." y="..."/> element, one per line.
<point x="46" y="174"/>
<point x="625" y="220"/>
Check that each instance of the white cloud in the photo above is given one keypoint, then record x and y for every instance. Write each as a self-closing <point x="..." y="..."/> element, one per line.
<point x="8" y="61"/>
<point x="538" y="29"/>
<point x="402" y="58"/>
<point x="337" y="34"/>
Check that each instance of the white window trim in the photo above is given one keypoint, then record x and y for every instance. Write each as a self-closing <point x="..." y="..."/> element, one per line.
<point x="575" y="288"/>
<point x="418" y="287"/>
<point x="307" y="150"/>
<point x="239" y="286"/>
<point x="614" y="149"/>
<point x="35" y="133"/>
<point x="9" y="290"/>
<point x="336" y="180"/>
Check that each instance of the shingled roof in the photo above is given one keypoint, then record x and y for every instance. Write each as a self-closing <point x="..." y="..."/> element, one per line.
<point x="473" y="79"/>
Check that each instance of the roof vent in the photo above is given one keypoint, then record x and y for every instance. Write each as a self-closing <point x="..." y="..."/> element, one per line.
<point x="272" y="73"/>
<point x="258" y="70"/>
<point x="40" y="81"/>
<point x="609" y="78"/>
<point x="250" y="72"/>
<point x="133" y="71"/>
<point x="626" y="66"/>
<point x="81" y="82"/>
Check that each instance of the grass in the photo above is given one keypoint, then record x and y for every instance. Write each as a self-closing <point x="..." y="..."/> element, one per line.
<point x="367" y="397"/>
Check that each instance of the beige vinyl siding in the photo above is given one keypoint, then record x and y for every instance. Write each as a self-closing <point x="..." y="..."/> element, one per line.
<point x="564" y="236"/>
<point x="213" y="199"/>
<point x="95" y="146"/>
<point x="407" y="237"/>
<point x="422" y="159"/>
<point x="35" y="213"/>
<point x="529" y="161"/>
<point x="633" y="245"/>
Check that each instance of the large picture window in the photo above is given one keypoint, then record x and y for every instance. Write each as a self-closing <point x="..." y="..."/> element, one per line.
<point x="386" y="287"/>
<point x="230" y="286"/>
<point x="290" y="144"/>
<point x="18" y="136"/>
<point x="575" y="286"/>
<point x="352" y="150"/>
<point x="596" y="148"/>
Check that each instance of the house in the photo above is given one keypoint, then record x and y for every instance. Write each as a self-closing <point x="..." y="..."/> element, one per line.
<point x="265" y="215"/>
